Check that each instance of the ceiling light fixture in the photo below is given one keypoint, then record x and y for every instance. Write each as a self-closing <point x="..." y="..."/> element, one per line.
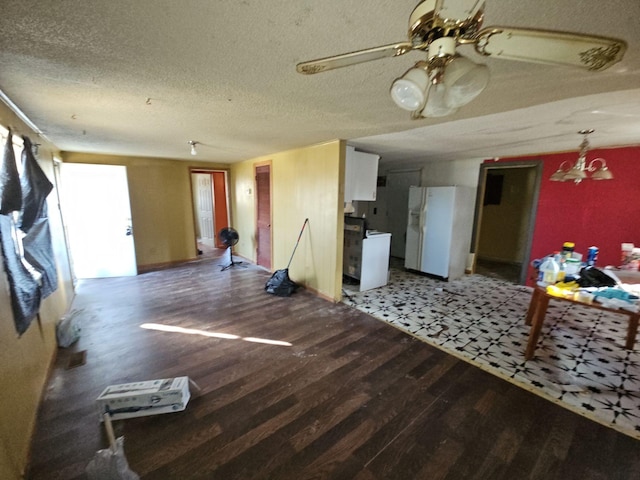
<point x="440" y="86"/>
<point x="437" y="105"/>
<point x="409" y="92"/>
<point x="579" y="170"/>
<point x="465" y="80"/>
<point x="438" y="27"/>
<point x="193" y="144"/>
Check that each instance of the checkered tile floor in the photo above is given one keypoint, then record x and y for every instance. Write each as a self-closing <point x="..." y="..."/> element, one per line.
<point x="580" y="361"/>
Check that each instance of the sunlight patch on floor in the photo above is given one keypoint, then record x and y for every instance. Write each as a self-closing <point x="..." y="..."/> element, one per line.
<point x="204" y="333"/>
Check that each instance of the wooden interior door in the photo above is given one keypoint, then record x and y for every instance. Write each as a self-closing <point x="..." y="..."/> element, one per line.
<point x="263" y="216"/>
<point x="220" y="206"/>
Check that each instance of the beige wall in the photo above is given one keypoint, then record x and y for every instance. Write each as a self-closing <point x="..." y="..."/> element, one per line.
<point x="25" y="361"/>
<point x="306" y="183"/>
<point x="161" y="205"/>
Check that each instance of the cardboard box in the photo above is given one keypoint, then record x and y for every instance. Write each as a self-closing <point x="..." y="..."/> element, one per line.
<point x="139" y="399"/>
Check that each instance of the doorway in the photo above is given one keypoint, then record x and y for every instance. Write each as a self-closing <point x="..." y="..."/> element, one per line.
<point x="505" y="217"/>
<point x="210" y="209"/>
<point x="97" y="216"/>
<point x="263" y="218"/>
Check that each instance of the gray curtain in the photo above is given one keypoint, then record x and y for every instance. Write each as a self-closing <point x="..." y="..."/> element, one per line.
<point x="10" y="189"/>
<point x="25" y="239"/>
<point x="34" y="221"/>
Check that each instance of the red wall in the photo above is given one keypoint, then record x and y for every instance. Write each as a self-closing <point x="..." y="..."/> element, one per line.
<point x="603" y="213"/>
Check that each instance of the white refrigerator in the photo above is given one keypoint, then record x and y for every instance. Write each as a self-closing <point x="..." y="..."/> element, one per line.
<point x="439" y="228"/>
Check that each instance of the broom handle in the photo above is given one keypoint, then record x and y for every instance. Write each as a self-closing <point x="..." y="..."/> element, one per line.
<point x="306" y="220"/>
<point x="109" y="428"/>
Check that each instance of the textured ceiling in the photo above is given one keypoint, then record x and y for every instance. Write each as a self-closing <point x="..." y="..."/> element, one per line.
<point x="144" y="77"/>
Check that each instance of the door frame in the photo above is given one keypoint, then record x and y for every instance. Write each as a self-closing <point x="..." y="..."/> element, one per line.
<point x="57" y="179"/>
<point x="267" y="163"/>
<point x="477" y="220"/>
<point x="211" y="171"/>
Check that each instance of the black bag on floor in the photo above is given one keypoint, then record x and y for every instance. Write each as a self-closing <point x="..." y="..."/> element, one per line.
<point x="280" y="284"/>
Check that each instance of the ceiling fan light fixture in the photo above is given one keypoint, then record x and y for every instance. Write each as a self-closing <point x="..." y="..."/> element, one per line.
<point x="436" y="105"/>
<point x="465" y="80"/>
<point x="409" y="91"/>
<point x="437" y="27"/>
<point x="442" y="47"/>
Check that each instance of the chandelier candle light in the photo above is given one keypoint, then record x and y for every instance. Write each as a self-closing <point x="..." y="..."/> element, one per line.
<point x="578" y="171"/>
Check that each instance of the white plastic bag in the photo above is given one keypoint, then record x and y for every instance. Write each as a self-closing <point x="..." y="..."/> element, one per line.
<point x="68" y="329"/>
<point x="110" y="465"/>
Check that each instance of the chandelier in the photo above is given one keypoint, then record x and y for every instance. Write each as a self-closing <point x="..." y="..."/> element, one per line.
<point x="580" y="170"/>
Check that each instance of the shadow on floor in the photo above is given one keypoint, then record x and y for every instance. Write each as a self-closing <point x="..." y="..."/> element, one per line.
<point x="509" y="272"/>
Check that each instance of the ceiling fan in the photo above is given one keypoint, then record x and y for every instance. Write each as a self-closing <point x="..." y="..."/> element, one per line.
<point x="445" y="80"/>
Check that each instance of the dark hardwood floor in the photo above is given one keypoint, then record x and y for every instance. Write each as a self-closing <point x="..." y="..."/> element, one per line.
<point x="351" y="398"/>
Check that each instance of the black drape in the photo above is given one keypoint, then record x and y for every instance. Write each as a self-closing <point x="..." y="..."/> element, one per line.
<point x="23" y="286"/>
<point x="35" y="188"/>
<point x="26" y="244"/>
<point x="34" y="221"/>
<point x="10" y="189"/>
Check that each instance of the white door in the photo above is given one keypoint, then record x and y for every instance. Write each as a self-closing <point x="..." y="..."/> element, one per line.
<point x="204" y="208"/>
<point x="97" y="216"/>
<point x="415" y="225"/>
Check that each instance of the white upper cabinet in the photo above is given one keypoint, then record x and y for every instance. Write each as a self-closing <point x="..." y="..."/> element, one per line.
<point x="361" y="175"/>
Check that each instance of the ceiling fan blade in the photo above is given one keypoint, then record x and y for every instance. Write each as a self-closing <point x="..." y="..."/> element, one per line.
<point x="353" y="58"/>
<point x="459" y="10"/>
<point x="543" y="46"/>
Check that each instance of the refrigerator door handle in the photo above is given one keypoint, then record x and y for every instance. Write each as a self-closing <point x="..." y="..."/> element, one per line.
<point x="423" y="217"/>
<point x="414" y="219"/>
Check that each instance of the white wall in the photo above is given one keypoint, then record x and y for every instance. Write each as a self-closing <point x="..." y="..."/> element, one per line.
<point x="456" y="172"/>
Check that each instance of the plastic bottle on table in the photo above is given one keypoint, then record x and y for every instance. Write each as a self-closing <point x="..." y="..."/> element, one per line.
<point x="567" y="249"/>
<point x="548" y="272"/>
<point x="562" y="271"/>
